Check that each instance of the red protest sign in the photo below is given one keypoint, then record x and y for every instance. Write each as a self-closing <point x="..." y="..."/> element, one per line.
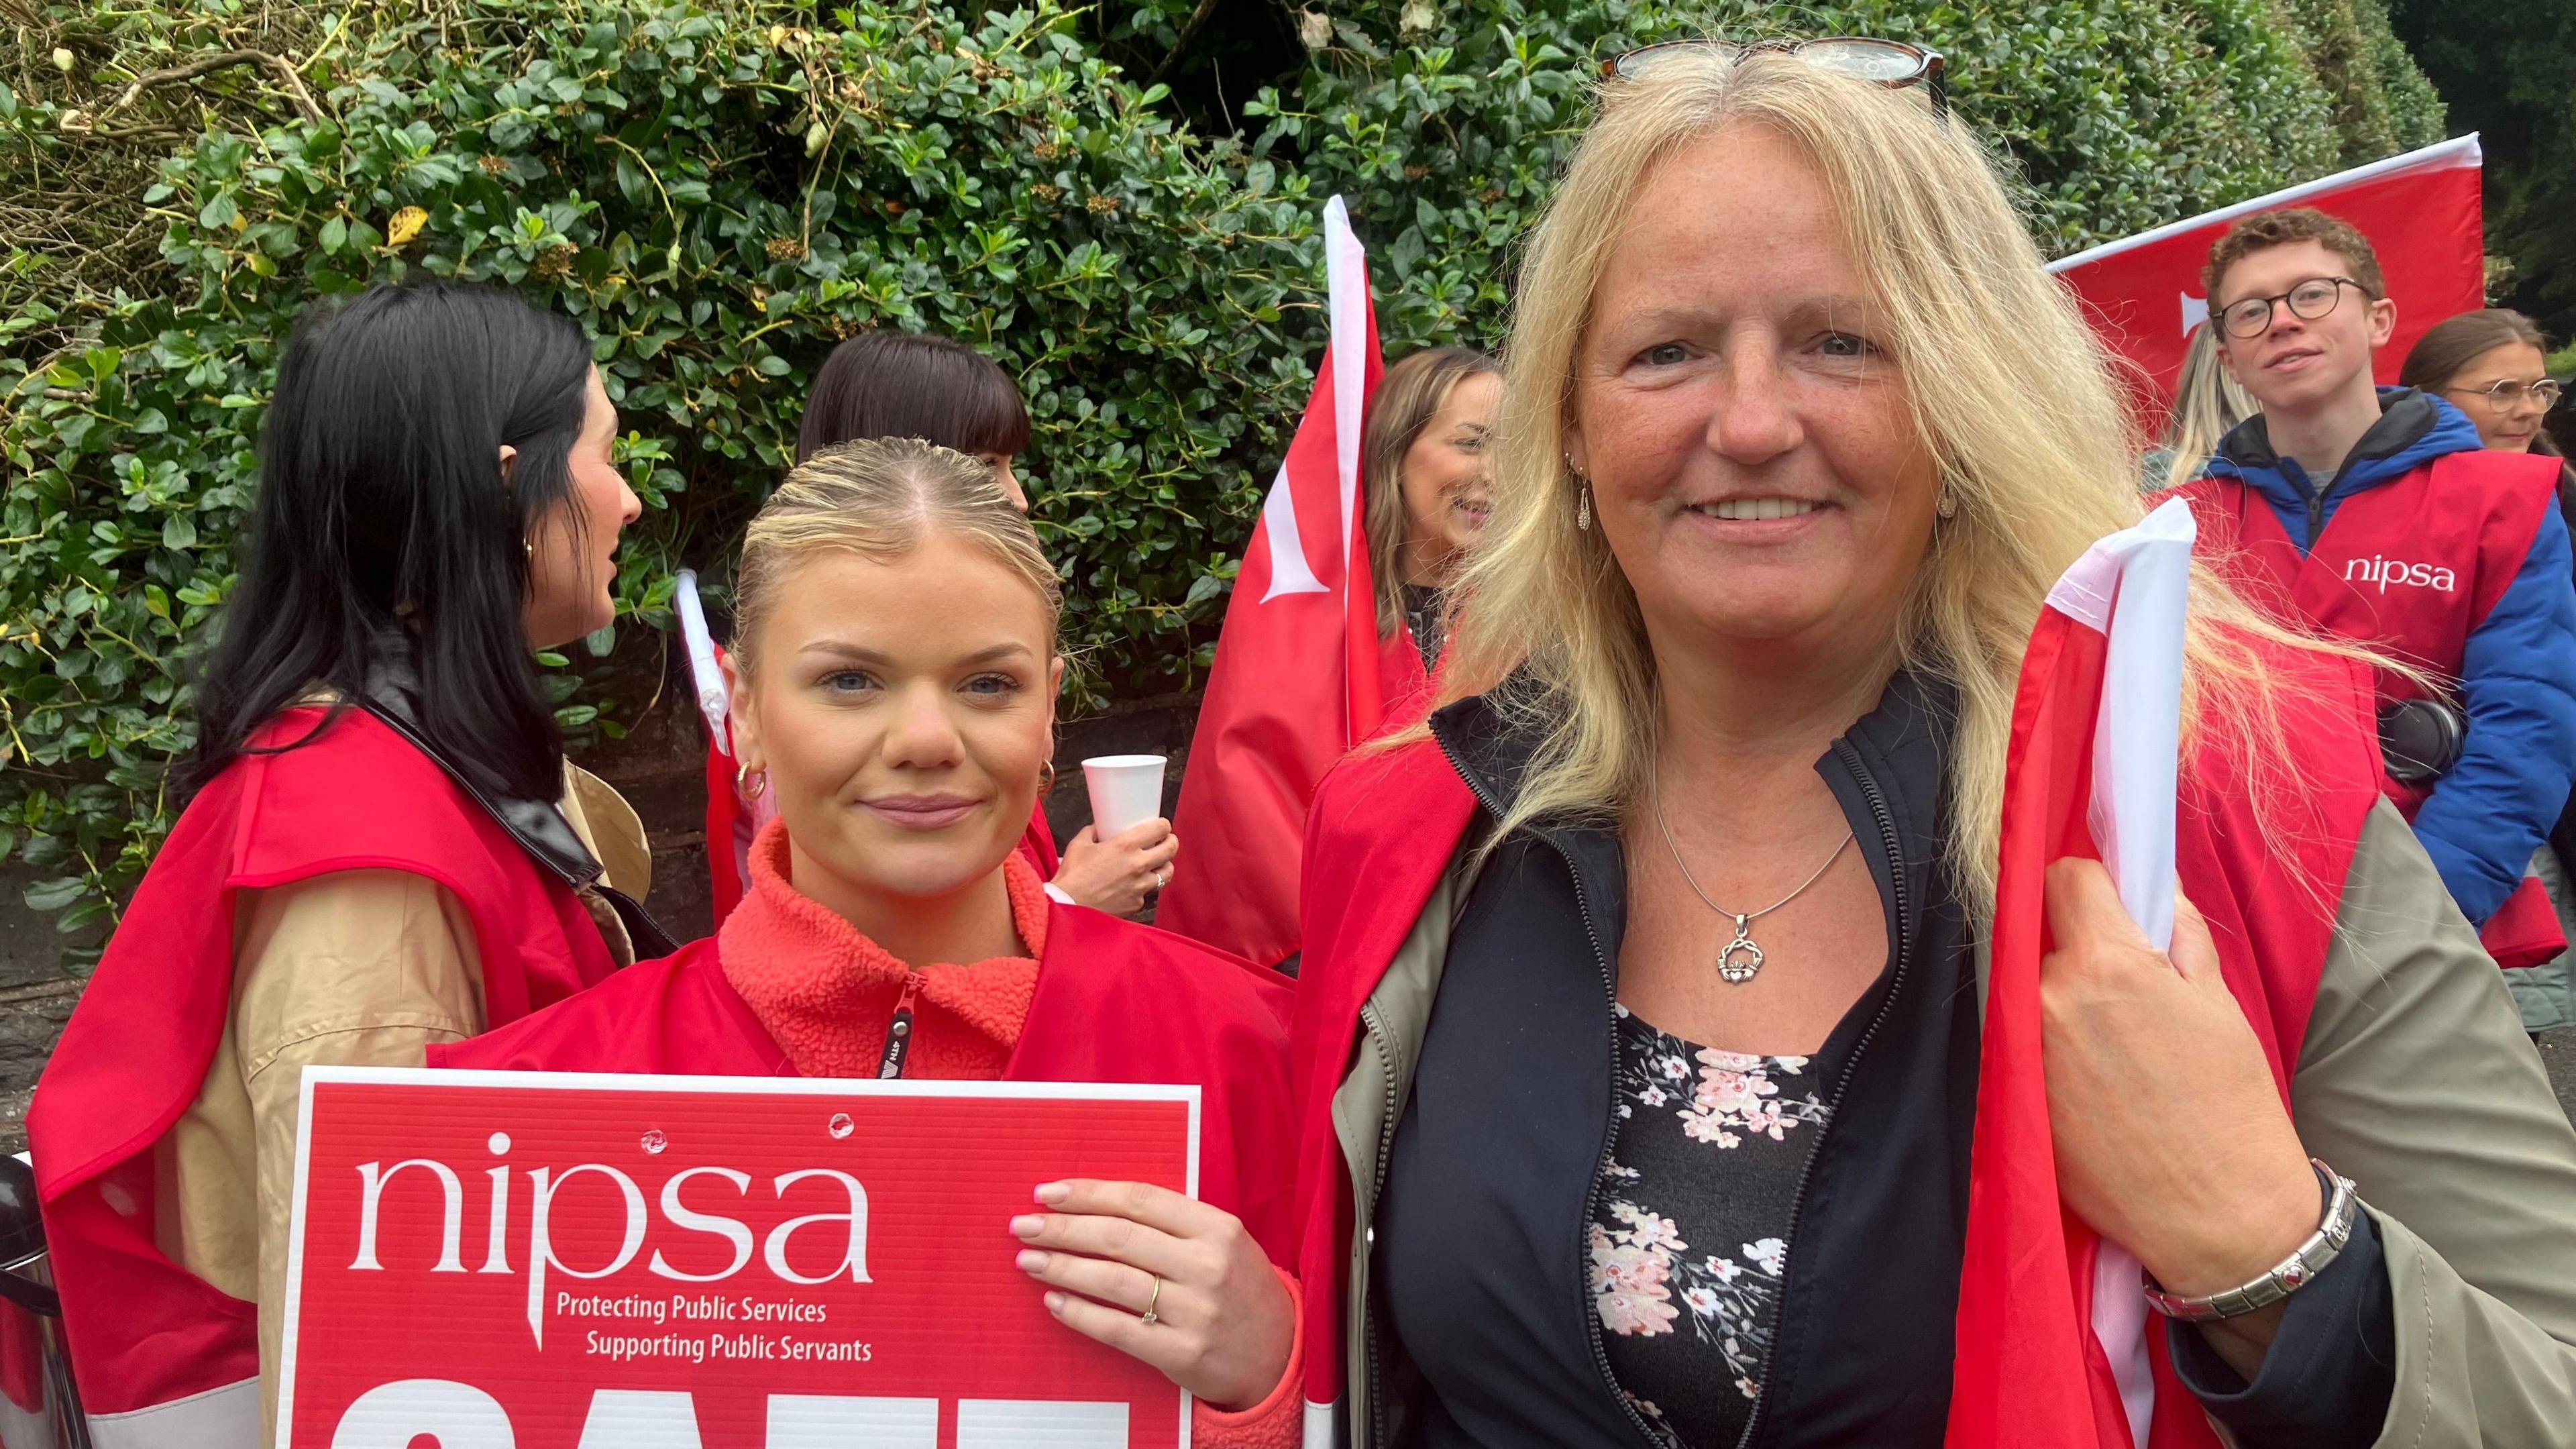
<point x="502" y="1260"/>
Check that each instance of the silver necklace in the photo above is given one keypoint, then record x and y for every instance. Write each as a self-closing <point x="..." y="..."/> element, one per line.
<point x="1739" y="959"/>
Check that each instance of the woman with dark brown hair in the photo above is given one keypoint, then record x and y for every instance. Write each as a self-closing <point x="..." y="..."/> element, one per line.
<point x="938" y="389"/>
<point x="1423" y="457"/>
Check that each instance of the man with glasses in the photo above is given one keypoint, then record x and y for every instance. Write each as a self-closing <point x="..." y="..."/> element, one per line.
<point x="2376" y="515"/>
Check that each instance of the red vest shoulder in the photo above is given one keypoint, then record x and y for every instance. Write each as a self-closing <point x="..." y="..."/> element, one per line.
<point x="674" y="1015"/>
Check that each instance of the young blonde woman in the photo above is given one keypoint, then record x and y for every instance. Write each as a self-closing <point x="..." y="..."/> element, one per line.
<point x="1638" y="1034"/>
<point x="894" y="676"/>
<point x="1424" y="458"/>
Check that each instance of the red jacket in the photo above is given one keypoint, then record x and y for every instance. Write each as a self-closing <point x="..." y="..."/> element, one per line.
<point x="1115" y="1002"/>
<point x="162" y="1357"/>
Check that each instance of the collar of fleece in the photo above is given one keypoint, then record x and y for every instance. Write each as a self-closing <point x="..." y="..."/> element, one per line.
<point x="827" y="993"/>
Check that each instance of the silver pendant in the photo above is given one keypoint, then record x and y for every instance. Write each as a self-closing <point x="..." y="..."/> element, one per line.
<point x="1739" y="959"/>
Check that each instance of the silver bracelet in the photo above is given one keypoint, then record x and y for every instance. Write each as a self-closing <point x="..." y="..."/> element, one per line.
<point x="2294" y="1272"/>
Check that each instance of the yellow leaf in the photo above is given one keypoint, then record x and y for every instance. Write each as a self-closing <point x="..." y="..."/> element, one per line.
<point x="405" y="225"/>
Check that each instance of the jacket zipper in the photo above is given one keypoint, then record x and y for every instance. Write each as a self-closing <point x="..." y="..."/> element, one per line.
<point x="1376" y="1023"/>
<point x="898" y="1042"/>
<point x="1895" y="982"/>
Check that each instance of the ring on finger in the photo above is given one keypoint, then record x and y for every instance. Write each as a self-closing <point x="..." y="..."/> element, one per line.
<point x="1162" y="878"/>
<point x="1149" y="1316"/>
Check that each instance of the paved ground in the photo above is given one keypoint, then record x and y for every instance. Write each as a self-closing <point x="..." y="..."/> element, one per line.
<point x="2558" y="1053"/>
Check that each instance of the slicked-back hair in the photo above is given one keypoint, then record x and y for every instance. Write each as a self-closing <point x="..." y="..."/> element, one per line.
<point x="913" y="385"/>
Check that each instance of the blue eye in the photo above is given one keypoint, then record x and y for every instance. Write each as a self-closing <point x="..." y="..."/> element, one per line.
<point x="1844" y="344"/>
<point x="847" y="681"/>
<point x="992" y="686"/>
<point x="1665" y="354"/>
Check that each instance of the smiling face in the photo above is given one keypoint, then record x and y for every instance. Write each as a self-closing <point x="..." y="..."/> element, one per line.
<point x="1447" y="479"/>
<point x="2508" y="429"/>
<point x="2299" y="364"/>
<point x="903" y="709"/>
<point x="1753" y="462"/>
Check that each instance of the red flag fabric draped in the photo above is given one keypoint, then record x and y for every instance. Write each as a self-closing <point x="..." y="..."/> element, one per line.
<point x="1296" y="679"/>
<point x="731" y="820"/>
<point x="2053" y="1343"/>
<point x="2421" y="212"/>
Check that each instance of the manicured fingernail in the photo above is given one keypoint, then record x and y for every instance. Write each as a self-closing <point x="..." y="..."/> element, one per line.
<point x="1027" y="1226"/>
<point x="1055" y="1303"/>
<point x="1031" y="1261"/>
<point x="1052" y="1193"/>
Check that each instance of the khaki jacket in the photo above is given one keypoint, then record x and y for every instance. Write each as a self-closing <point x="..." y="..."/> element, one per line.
<point x="354" y="968"/>
<point x="2415" y="1080"/>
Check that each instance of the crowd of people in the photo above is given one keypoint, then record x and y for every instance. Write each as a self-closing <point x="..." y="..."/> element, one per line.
<point x="1625" y="1091"/>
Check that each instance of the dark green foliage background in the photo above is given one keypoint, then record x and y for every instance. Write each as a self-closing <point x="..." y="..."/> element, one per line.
<point x="1118" y="203"/>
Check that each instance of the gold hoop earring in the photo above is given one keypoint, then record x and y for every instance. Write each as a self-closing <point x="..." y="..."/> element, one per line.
<point x="749" y="783"/>
<point x="1046" y="777"/>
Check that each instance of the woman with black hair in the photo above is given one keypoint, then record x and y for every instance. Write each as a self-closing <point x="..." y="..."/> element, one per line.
<point x="921" y="385"/>
<point x="383" y="845"/>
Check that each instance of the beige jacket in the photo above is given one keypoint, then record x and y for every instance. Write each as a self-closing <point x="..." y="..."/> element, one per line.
<point x="2415" y="1080"/>
<point x="354" y="968"/>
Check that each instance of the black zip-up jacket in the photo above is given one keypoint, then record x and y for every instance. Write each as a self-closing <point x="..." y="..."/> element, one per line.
<point x="1479" y="1276"/>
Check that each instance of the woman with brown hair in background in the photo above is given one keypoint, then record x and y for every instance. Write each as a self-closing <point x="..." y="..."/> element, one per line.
<point x="1423" y="458"/>
<point x="2493" y="365"/>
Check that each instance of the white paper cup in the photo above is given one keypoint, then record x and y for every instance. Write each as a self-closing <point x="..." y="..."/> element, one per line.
<point x="1126" y="791"/>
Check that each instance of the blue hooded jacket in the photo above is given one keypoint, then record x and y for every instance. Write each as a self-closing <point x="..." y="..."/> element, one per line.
<point x="2517" y="682"/>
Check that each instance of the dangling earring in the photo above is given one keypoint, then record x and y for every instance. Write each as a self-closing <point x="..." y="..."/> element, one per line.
<point x="1948" y="507"/>
<point x="749" y="783"/>
<point x="1582" y="498"/>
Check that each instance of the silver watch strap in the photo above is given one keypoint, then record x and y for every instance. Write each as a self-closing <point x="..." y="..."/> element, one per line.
<point x="2293" y="1273"/>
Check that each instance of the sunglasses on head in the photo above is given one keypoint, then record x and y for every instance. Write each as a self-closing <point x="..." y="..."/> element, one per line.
<point x="1880" y="62"/>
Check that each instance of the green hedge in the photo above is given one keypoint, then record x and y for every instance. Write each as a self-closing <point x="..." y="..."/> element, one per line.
<point x="721" y="190"/>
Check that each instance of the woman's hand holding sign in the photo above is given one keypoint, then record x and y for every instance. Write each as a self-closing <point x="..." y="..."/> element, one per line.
<point x="1222" y="1323"/>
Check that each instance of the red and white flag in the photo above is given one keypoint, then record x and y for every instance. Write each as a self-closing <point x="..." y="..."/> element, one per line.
<point x="2421" y="212"/>
<point x="731" y="820"/>
<point x="2052" y="1329"/>
<point x="1296" y="680"/>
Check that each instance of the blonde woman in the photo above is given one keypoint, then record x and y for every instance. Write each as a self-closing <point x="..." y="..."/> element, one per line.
<point x="894" y="674"/>
<point x="1638" y="1034"/>
<point x="1424" y="457"/>
<point x="2207" y="403"/>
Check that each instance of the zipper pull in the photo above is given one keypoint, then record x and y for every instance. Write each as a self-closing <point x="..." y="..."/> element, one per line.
<point x="899" y="1031"/>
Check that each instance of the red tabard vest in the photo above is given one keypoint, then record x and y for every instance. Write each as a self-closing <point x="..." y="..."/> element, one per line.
<point x="161" y="1356"/>
<point x="1115" y="1002"/>
<point x="2412" y="567"/>
<point x="1384" y="827"/>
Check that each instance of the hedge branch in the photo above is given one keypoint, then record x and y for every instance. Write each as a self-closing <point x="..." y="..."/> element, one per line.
<point x="220" y="60"/>
<point x="1181" y="42"/>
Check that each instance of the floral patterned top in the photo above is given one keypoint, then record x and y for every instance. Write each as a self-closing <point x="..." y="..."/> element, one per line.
<point x="1689" y="1236"/>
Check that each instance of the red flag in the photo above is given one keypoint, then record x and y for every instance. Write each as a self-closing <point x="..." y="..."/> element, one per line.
<point x="731" y="820"/>
<point x="2421" y="212"/>
<point x="2052" y="1344"/>
<point x="1296" y="682"/>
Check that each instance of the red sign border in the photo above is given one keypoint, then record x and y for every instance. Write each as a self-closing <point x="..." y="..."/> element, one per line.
<point x="837" y="1087"/>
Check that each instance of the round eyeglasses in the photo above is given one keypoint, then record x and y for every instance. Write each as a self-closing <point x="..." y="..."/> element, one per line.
<point x="2308" y="301"/>
<point x="2506" y="394"/>
<point x="1890" y="63"/>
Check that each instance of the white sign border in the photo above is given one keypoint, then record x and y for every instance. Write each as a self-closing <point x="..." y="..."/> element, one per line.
<point x="651" y="1082"/>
